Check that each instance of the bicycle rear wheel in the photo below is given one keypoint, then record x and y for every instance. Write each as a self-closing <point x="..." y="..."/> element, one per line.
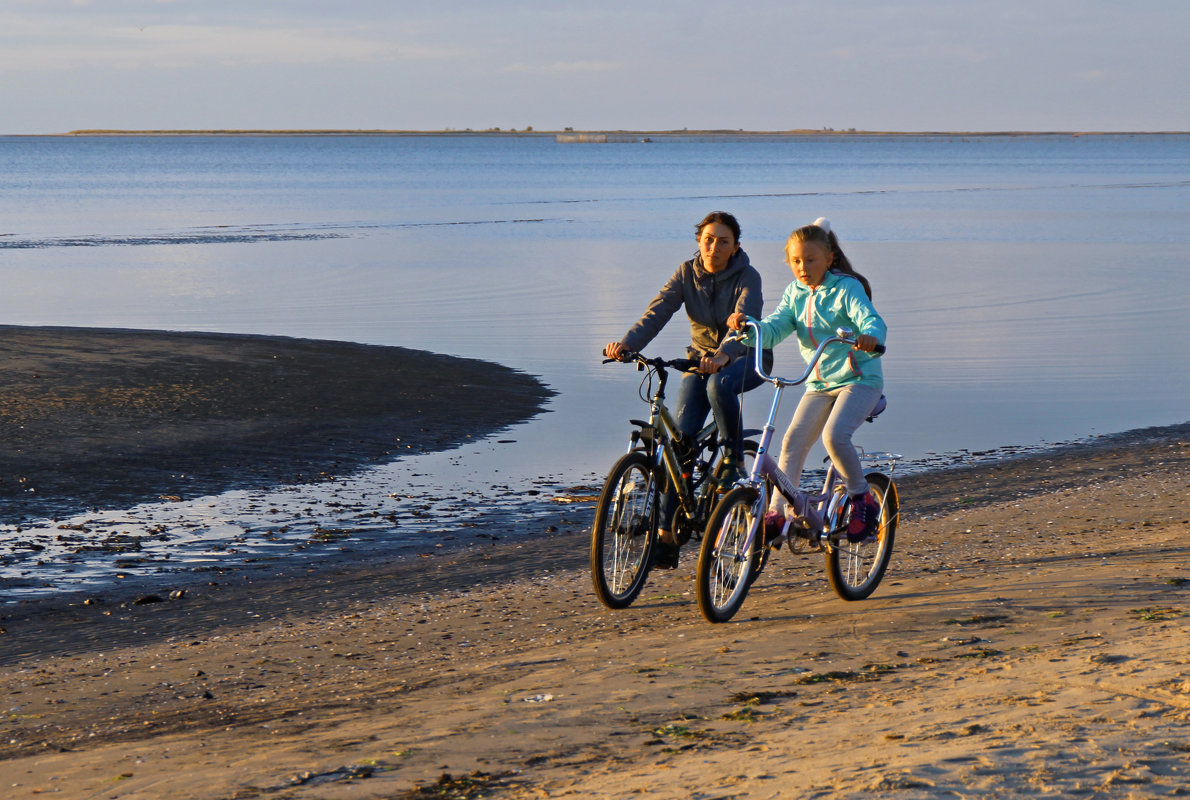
<point x="855" y="569"/>
<point x="725" y="561"/>
<point x="623" y="532"/>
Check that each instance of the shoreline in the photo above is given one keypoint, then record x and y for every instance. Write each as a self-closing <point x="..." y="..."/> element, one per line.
<point x="118" y="417"/>
<point x="504" y="538"/>
<point x="1029" y="640"/>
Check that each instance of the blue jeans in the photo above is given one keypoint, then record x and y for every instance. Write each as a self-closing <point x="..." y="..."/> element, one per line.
<point x="720" y="393"/>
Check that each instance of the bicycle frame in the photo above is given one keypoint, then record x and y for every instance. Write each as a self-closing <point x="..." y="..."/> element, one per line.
<point x="813" y="510"/>
<point x="661" y="448"/>
<point x="734" y="549"/>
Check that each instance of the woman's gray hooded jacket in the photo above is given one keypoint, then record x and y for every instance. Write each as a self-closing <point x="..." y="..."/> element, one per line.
<point x="710" y="298"/>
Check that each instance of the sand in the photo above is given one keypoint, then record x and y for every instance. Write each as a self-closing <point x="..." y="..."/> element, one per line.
<point x="1029" y="640"/>
<point x="113" y="417"/>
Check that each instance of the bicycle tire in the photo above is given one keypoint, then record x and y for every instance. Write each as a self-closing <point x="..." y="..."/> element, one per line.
<point x="723" y="578"/>
<point x="855" y="569"/>
<point x="623" y="533"/>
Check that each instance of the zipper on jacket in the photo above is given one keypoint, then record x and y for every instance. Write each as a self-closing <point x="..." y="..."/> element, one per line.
<point x="810" y="329"/>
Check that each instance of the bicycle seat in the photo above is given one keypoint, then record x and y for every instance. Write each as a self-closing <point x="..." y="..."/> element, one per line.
<point x="881" y="404"/>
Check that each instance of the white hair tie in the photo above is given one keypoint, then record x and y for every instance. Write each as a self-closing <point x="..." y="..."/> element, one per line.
<point x="824" y="223"/>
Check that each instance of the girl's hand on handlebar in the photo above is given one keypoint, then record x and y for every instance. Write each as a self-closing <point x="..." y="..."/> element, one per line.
<point x="709" y="365"/>
<point x="866" y="343"/>
<point x="736" y="321"/>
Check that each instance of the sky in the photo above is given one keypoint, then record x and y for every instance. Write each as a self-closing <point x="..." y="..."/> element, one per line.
<point x="898" y="65"/>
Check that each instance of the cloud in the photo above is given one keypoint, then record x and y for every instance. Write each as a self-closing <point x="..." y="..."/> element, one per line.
<point x="34" y="45"/>
<point x="567" y="67"/>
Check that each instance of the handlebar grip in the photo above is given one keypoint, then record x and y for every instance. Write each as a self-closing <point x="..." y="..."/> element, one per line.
<point x="881" y="349"/>
<point x="626" y="357"/>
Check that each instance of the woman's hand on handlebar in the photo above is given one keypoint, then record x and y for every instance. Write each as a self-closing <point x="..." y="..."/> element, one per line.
<point x="615" y="350"/>
<point x="709" y="365"/>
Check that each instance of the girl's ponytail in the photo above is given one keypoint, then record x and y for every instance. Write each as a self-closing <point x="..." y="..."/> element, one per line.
<point x="821" y="232"/>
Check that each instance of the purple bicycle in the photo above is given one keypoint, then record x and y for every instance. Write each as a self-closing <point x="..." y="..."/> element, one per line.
<point x="734" y="550"/>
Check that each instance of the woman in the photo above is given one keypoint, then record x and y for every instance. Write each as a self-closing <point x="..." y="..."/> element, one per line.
<point x="718" y="282"/>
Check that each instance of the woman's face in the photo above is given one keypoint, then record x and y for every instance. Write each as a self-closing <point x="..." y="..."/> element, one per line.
<point x="809" y="261"/>
<point x="716" y="245"/>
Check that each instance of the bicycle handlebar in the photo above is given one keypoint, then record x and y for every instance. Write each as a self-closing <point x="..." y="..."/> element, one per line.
<point x="682" y="364"/>
<point x="843" y="335"/>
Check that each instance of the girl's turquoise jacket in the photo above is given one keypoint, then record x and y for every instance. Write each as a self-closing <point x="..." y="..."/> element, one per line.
<point x="814" y="312"/>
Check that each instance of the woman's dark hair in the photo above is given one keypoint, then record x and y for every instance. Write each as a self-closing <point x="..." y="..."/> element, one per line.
<point x="723" y="218"/>
<point x="827" y="238"/>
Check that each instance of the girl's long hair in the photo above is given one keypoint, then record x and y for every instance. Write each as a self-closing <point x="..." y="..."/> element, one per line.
<point x="823" y="235"/>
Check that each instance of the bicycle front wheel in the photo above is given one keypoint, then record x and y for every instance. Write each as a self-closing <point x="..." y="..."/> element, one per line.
<point x="726" y="559"/>
<point x="855" y="569"/>
<point x="623" y="533"/>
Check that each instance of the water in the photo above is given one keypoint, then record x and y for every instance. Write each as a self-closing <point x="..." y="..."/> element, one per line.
<point x="1034" y="288"/>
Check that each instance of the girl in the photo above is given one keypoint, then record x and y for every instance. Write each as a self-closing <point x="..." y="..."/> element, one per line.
<point x="846" y="385"/>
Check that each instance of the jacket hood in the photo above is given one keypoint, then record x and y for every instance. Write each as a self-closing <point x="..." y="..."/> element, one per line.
<point x="738" y="262"/>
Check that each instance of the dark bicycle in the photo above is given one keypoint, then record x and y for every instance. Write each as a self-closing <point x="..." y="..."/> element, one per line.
<point x="659" y="455"/>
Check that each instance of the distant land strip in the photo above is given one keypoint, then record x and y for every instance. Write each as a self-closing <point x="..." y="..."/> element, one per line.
<point x="575" y="132"/>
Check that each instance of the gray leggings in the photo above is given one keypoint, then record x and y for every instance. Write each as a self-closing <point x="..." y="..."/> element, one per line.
<point x="836" y="415"/>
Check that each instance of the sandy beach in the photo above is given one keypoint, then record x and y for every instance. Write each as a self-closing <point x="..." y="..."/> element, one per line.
<point x="1030" y="640"/>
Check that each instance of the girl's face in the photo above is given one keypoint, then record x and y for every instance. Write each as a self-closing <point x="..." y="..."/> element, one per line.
<point x="716" y="245"/>
<point x="809" y="261"/>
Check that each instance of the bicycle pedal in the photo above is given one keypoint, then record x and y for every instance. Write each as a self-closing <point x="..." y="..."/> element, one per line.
<point x="803" y="544"/>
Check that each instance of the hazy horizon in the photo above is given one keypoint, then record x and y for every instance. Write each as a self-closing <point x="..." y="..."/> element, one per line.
<point x="919" y="66"/>
<point x="618" y="131"/>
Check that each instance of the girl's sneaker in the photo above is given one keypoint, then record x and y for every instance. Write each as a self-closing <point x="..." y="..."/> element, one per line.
<point x="865" y="513"/>
<point x="774" y="523"/>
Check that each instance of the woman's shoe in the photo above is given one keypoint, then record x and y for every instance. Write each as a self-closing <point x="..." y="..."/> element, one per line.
<point x="665" y="555"/>
<point x="731" y="473"/>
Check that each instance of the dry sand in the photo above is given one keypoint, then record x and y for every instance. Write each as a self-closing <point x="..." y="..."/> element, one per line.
<point x="1030" y="640"/>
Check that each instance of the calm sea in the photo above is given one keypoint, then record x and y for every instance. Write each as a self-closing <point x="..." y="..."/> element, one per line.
<point x="1035" y="287"/>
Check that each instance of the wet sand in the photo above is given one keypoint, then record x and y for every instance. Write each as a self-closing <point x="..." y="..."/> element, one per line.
<point x="114" y="417"/>
<point x="1030" y="640"/>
